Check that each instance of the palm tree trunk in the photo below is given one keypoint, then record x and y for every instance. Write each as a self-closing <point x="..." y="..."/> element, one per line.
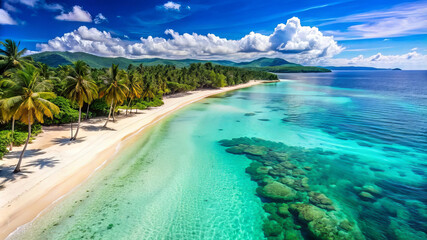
<point x="114" y="113"/>
<point x="71" y="124"/>
<point x="78" y="124"/>
<point x="18" y="166"/>
<point x="127" y="110"/>
<point x="87" y="111"/>
<point x="130" y="101"/>
<point x="109" y="114"/>
<point x="13" y="130"/>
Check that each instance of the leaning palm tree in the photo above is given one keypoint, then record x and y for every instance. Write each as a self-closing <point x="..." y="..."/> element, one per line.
<point x="134" y="85"/>
<point x="115" y="88"/>
<point x="10" y="89"/>
<point x="31" y="101"/>
<point x="11" y="56"/>
<point x="80" y="88"/>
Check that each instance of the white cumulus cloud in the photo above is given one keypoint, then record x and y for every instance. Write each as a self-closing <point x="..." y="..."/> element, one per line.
<point x="5" y="18"/>
<point x="76" y="15"/>
<point x="100" y="19"/>
<point x="290" y="40"/>
<point x="411" y="60"/>
<point x="172" y="6"/>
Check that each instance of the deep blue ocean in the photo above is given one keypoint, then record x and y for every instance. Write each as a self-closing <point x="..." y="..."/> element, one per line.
<point x="357" y="137"/>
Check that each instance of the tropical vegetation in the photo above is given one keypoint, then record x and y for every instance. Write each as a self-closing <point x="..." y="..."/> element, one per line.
<point x="34" y="93"/>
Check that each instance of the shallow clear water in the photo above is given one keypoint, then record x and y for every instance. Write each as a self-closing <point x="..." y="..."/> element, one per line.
<point x="177" y="182"/>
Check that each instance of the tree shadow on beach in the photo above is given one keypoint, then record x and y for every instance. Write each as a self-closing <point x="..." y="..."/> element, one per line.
<point x="177" y="95"/>
<point x="66" y="141"/>
<point x="42" y="163"/>
<point x="97" y="128"/>
<point x="28" y="153"/>
<point x="7" y="175"/>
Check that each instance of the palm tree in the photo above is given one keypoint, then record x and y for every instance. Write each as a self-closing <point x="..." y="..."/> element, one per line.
<point x="134" y="86"/>
<point x="7" y="113"/>
<point x="31" y="101"/>
<point x="115" y="88"/>
<point x="149" y="93"/>
<point x="140" y="69"/>
<point x="11" y="56"/>
<point x="80" y="88"/>
<point x="45" y="71"/>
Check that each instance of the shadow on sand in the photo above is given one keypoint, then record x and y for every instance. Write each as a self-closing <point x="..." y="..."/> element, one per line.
<point x="66" y="141"/>
<point x="28" y="153"/>
<point x="7" y="175"/>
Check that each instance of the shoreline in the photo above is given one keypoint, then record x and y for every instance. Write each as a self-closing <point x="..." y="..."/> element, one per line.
<point x="53" y="166"/>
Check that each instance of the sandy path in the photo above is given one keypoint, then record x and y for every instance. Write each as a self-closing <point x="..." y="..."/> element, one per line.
<point x="53" y="165"/>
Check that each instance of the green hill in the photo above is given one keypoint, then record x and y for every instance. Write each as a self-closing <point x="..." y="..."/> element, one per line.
<point x="266" y="62"/>
<point x="54" y="59"/>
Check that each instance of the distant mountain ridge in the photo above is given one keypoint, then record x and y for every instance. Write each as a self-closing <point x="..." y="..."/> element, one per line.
<point x="54" y="59"/>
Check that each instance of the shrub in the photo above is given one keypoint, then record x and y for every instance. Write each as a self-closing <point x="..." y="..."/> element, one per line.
<point x="67" y="113"/>
<point x="99" y="107"/>
<point x="140" y="106"/>
<point x="19" y="138"/>
<point x="5" y="139"/>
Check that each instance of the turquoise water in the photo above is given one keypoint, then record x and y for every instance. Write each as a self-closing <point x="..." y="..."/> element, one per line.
<point x="178" y="182"/>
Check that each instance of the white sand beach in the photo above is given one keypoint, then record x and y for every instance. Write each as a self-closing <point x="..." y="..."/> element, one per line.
<point x="53" y="165"/>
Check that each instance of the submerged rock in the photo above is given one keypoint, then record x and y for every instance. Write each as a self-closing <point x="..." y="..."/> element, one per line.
<point x="298" y="172"/>
<point x="256" y="170"/>
<point x="266" y="180"/>
<point x="283" y="210"/>
<point x="324" y="228"/>
<point x="346" y="225"/>
<point x="288" y="165"/>
<point x="270" y="208"/>
<point x="372" y="189"/>
<point x="235" y="150"/>
<point x="295" y="212"/>
<point x="272" y="228"/>
<point x="320" y="200"/>
<point x="287" y="180"/>
<point x="300" y="184"/>
<point x="280" y="156"/>
<point x="306" y="212"/>
<point x="277" y="191"/>
<point x="276" y="172"/>
<point x="255" y="150"/>
<point x="292" y="234"/>
<point x="366" y="196"/>
<point x="262" y="170"/>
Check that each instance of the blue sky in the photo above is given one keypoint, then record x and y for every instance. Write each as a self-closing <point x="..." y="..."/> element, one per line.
<point x="368" y="33"/>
